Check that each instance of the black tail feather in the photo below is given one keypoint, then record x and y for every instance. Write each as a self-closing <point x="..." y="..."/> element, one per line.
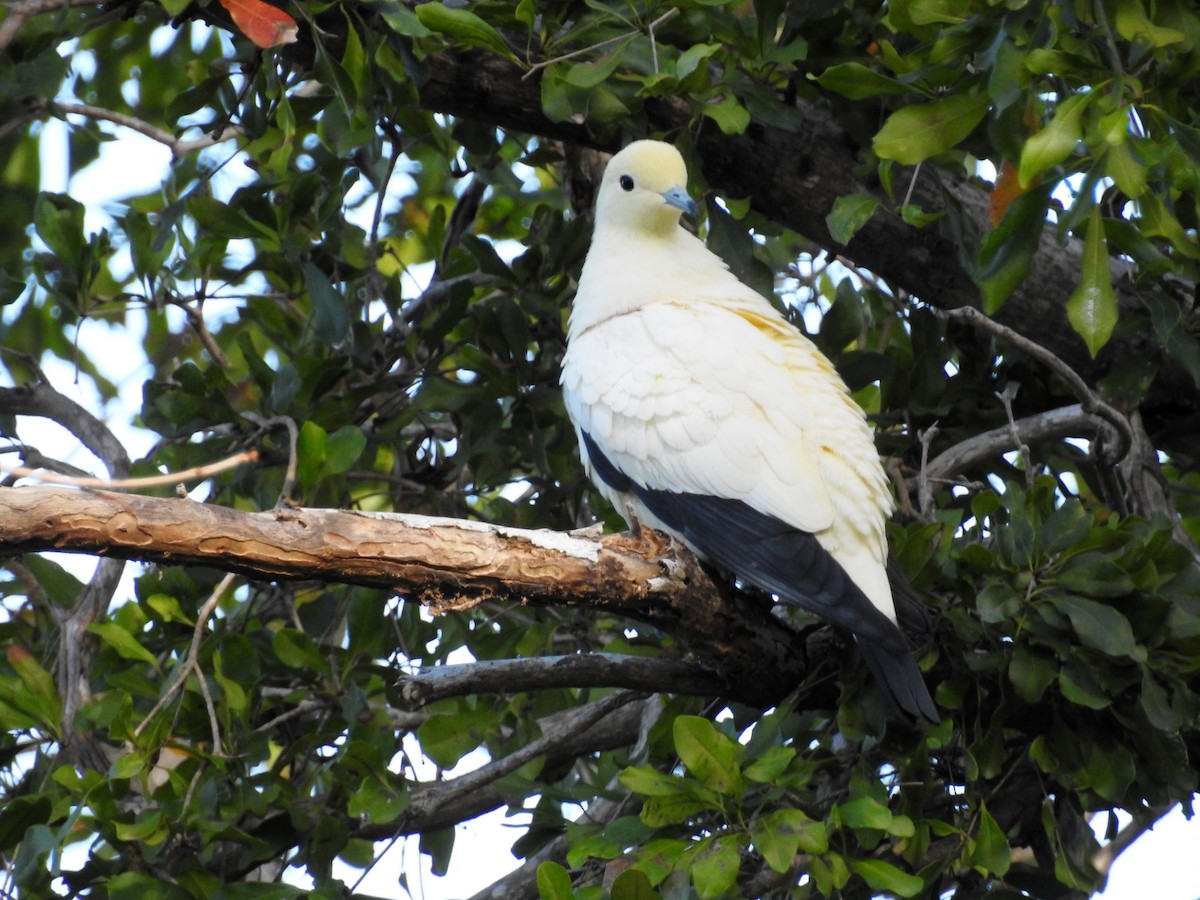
<point x="901" y="681"/>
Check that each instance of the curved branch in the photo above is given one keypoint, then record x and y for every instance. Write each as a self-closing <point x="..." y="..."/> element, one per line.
<point x="1052" y="425"/>
<point x="1103" y="859"/>
<point x="1088" y="399"/>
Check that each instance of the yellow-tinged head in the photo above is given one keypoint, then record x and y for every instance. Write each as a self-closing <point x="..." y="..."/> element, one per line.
<point x="644" y="189"/>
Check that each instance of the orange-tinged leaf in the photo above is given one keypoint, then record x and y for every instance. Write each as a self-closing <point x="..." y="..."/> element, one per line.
<point x="266" y="25"/>
<point x="1006" y="189"/>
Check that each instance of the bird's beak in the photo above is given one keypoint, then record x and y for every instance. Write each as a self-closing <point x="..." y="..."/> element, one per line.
<point x="679" y="198"/>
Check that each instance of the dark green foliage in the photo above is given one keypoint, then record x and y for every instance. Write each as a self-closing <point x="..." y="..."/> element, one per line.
<point x="373" y="286"/>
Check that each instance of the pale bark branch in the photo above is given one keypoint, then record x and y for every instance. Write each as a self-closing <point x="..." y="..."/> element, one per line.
<point x="448" y="564"/>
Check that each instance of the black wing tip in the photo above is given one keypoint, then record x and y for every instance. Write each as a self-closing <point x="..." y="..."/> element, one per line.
<point x="901" y="681"/>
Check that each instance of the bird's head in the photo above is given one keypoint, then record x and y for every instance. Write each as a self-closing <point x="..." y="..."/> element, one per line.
<point x="644" y="189"/>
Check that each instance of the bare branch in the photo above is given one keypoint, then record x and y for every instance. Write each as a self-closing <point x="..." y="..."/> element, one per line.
<point x="1088" y="399"/>
<point x="191" y="665"/>
<point x="126" y="484"/>
<point x="1052" y="425"/>
<point x="550" y="672"/>
<point x="566" y="737"/>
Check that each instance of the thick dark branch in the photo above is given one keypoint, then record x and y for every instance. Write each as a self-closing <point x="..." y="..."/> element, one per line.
<point x="795" y="177"/>
<point x="643" y="673"/>
<point x="606" y="724"/>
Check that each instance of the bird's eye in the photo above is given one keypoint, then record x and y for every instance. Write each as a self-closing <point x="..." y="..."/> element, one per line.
<point x="626" y="183"/>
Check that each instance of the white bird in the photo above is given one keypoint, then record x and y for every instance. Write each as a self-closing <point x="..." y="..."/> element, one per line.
<point x="703" y="412"/>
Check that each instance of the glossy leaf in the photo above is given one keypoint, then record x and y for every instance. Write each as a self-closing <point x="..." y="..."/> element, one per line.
<point x="913" y="134"/>
<point x="1052" y="145"/>
<point x="712" y="757"/>
<point x="1092" y="306"/>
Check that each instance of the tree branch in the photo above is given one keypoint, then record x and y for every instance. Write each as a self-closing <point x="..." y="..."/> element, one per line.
<point x="1103" y="859"/>
<point x="448" y="564"/>
<point x="1052" y="425"/>
<point x="795" y="176"/>
<point x="579" y="720"/>
<point x="512" y="676"/>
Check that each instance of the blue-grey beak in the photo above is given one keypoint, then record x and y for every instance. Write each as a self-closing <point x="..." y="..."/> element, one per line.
<point x="679" y="198"/>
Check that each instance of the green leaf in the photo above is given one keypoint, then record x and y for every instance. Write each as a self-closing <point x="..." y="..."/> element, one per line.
<point x="690" y="59"/>
<point x="858" y="82"/>
<point x="58" y="220"/>
<point x="729" y="114"/>
<point x="1031" y="672"/>
<point x="883" y="876"/>
<point x="649" y="782"/>
<point x="342" y="449"/>
<point x="377" y="803"/>
<point x="1123" y="167"/>
<point x="632" y="884"/>
<point x="1092" y="306"/>
<point x="331" y="315"/>
<point x="780" y="835"/>
<point x="123" y="642"/>
<point x="915" y="133"/>
<point x="20" y="813"/>
<point x="865" y="812"/>
<point x="1133" y="24"/>
<point x="660" y="811"/>
<point x="991" y="855"/>
<point x="770" y="765"/>
<point x="715" y="867"/>
<point x="709" y="755"/>
<point x="296" y="650"/>
<point x="463" y="26"/>
<point x="849" y="214"/>
<point x="1098" y="626"/>
<point x="1007" y="250"/>
<point x="1054" y="143"/>
<point x="135" y="886"/>
<point x="40" y="685"/>
<point x="553" y="881"/>
<point x="310" y="453"/>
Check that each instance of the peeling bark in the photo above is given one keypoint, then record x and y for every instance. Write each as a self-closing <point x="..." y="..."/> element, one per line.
<point x="448" y="564"/>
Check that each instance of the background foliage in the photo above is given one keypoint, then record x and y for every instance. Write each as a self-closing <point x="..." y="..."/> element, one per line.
<point x="359" y="261"/>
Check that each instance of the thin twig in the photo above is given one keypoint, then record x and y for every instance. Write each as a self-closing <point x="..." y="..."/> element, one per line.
<point x="1089" y="399"/>
<point x="191" y="664"/>
<point x="196" y="320"/>
<point x="924" y="492"/>
<point x="537" y="67"/>
<point x="1005" y="396"/>
<point x="289" y="477"/>
<point x="128" y="484"/>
